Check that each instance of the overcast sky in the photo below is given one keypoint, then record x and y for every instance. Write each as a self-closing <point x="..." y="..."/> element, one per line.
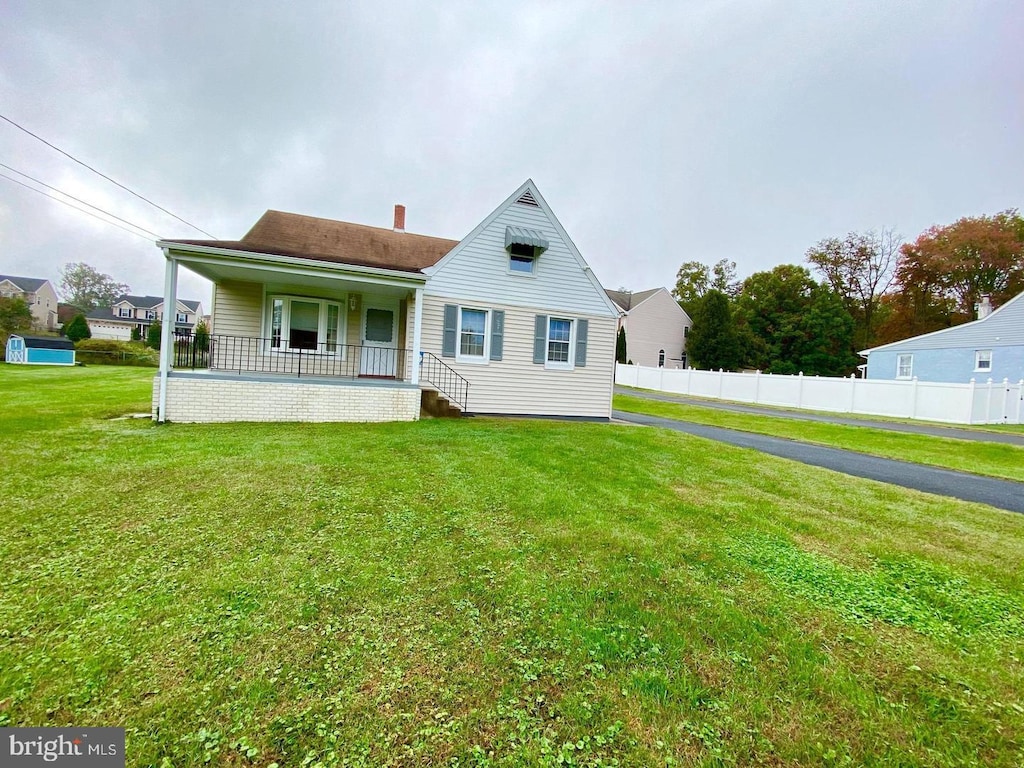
<point x="658" y="132"/>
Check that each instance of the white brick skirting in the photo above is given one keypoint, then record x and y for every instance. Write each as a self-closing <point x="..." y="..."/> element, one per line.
<point x="206" y="399"/>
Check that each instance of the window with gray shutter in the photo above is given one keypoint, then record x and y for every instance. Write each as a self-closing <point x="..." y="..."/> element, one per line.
<point x="581" y="343"/>
<point x="540" y="339"/>
<point x="451" y="319"/>
<point x="497" y="333"/>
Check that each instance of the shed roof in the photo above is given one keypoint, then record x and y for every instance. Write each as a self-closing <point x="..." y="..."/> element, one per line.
<point x="341" y="242"/>
<point x="46" y="342"/>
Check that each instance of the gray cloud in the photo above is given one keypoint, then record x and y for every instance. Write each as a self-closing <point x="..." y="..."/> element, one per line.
<point x="659" y="132"/>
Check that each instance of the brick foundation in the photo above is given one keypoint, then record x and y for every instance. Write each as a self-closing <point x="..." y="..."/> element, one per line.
<point x="208" y="399"/>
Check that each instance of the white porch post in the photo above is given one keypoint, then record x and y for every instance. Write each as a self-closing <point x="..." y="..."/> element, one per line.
<point x="417" y="333"/>
<point x="167" y="331"/>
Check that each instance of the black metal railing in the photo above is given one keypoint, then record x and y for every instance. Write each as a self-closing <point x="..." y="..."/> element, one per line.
<point x="248" y="354"/>
<point x="442" y="377"/>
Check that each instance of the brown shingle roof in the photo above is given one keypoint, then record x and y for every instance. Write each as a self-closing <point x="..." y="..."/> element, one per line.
<point x="309" y="237"/>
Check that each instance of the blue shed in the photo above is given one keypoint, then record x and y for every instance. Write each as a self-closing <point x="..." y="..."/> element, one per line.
<point x="40" y="350"/>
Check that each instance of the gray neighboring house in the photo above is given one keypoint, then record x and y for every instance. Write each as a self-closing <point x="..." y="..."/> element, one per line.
<point x="991" y="347"/>
<point x="656" y="327"/>
<point x="38" y="293"/>
<point x="138" y="313"/>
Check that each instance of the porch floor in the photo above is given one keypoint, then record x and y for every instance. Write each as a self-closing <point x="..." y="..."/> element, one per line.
<point x="285" y="378"/>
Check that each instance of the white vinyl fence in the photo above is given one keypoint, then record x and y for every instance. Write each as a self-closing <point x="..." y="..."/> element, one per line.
<point x="974" y="403"/>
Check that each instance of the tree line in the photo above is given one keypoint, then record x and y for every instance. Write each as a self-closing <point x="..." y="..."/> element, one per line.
<point x="866" y="289"/>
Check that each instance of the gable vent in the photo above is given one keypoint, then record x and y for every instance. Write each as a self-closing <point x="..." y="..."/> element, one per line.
<point x="527" y="199"/>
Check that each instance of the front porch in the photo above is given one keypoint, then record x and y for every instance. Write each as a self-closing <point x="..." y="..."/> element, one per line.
<point x="293" y="340"/>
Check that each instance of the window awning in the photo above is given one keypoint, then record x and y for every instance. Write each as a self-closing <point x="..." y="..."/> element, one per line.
<point x="524" y="236"/>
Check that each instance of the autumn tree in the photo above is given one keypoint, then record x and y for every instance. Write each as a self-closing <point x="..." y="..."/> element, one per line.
<point x="694" y="280"/>
<point x="88" y="288"/>
<point x="796" y="323"/>
<point x="712" y="341"/>
<point x="859" y="268"/>
<point x="943" y="274"/>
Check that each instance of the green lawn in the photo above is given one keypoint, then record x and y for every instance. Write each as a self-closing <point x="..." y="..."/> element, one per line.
<point x="982" y="458"/>
<point x="487" y="592"/>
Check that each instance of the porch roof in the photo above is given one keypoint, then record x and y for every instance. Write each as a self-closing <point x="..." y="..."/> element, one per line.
<point x="339" y="242"/>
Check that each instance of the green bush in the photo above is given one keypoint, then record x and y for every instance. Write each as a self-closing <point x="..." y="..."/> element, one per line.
<point x="78" y="329"/>
<point x="113" y="352"/>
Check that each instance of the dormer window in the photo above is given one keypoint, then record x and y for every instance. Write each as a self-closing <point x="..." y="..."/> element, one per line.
<point x="521" y="258"/>
<point x="524" y="246"/>
<point x="125" y="312"/>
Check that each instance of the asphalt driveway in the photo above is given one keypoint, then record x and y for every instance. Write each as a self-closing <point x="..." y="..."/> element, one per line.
<point x="1002" y="494"/>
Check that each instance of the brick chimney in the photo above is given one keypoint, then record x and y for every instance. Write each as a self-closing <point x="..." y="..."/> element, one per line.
<point x="399" y="218"/>
<point x="985" y="307"/>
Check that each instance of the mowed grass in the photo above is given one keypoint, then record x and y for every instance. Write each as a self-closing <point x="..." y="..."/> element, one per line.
<point x="487" y="592"/>
<point x="982" y="458"/>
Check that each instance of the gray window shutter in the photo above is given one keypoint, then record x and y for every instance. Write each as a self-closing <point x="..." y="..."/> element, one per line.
<point x="540" y="339"/>
<point x="581" y="343"/>
<point x="451" y="319"/>
<point x="497" y="333"/>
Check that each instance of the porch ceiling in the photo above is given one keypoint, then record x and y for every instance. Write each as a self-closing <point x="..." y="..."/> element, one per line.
<point x="276" y="275"/>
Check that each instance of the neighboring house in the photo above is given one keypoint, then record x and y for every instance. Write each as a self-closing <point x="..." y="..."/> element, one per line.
<point x="38" y="293"/>
<point x="138" y="313"/>
<point x="656" y="327"/>
<point x="321" y="320"/>
<point x="39" y="350"/>
<point x="991" y="347"/>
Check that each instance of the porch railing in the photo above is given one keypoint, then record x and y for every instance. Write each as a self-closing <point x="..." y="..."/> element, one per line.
<point x="442" y="377"/>
<point x="249" y="354"/>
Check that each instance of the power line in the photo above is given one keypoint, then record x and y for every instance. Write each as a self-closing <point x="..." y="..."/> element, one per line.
<point x="83" y="202"/>
<point x="69" y="205"/>
<point x="122" y="186"/>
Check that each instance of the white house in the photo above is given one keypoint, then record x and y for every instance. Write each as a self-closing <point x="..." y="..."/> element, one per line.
<point x="138" y="313"/>
<point x="322" y="320"/>
<point x="656" y="327"/>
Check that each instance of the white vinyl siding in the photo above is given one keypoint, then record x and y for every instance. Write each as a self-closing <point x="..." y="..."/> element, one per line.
<point x="655" y="325"/>
<point x="480" y="272"/>
<point x="515" y="384"/>
<point x="238" y="309"/>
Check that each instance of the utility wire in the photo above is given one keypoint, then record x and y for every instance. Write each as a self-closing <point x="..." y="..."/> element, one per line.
<point x="69" y="205"/>
<point x="122" y="186"/>
<point x="83" y="202"/>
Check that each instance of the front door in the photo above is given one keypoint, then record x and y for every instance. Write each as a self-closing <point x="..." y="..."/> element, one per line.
<point x="379" y="356"/>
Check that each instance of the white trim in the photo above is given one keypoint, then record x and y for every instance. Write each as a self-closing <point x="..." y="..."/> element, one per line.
<point x="417" y="335"/>
<point x="899" y="365"/>
<point x="570" y="364"/>
<point x="485" y="356"/>
<point x="613" y="311"/>
<point x="977" y="361"/>
<point x="321" y="331"/>
<point x="167" y="334"/>
<point x="311" y="267"/>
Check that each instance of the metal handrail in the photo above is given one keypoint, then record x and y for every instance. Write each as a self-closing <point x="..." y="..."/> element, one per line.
<point x="251" y="354"/>
<point x="445" y="379"/>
